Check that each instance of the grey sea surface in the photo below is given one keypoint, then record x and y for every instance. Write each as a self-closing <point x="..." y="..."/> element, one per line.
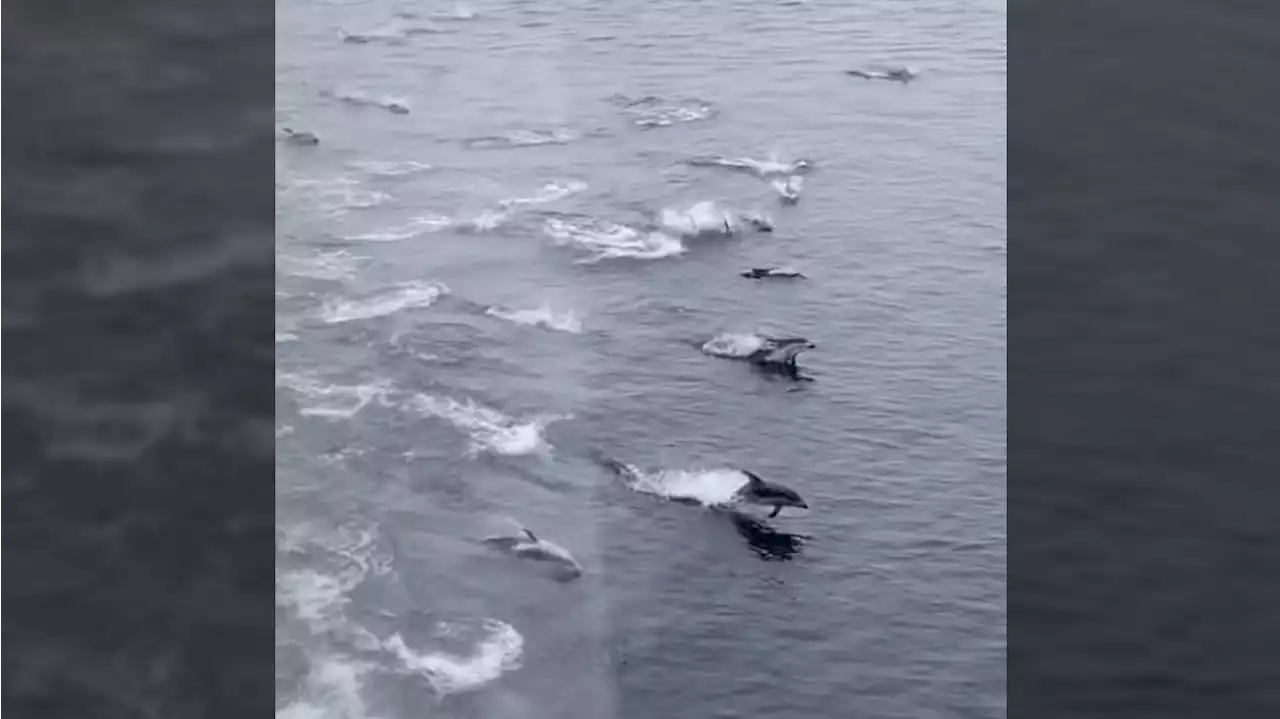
<point x="475" y="297"/>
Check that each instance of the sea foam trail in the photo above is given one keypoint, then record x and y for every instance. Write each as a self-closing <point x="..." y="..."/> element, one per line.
<point x="333" y="196"/>
<point x="390" y="168"/>
<point x="549" y="192"/>
<point x="702" y="219"/>
<point x="499" y="650"/>
<point x="544" y="316"/>
<point x="489" y="429"/>
<point x="608" y="240"/>
<point x="336" y="265"/>
<point x="332" y="401"/>
<point x="652" y="111"/>
<point x="717" y="487"/>
<point x="317" y="571"/>
<point x="420" y="225"/>
<point x="524" y="138"/>
<point x="406" y="295"/>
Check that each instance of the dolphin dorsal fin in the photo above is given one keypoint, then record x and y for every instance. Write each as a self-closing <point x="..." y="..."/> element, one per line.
<point x="530" y="535"/>
<point x="752" y="477"/>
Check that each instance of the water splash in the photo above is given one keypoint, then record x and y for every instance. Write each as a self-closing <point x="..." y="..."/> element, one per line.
<point x="545" y="317"/>
<point x="608" y="240"/>
<point x="499" y="651"/>
<point x="406" y="295"/>
<point x="717" y="487"/>
<point x="733" y="345"/>
<point x="489" y="429"/>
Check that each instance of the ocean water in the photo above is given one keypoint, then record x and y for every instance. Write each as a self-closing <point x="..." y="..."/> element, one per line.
<point x="477" y="294"/>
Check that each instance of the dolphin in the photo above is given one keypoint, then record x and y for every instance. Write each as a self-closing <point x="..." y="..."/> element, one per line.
<point x="761" y="222"/>
<point x="528" y="546"/>
<point x="757" y="273"/>
<point x="781" y="352"/>
<point x="764" y="540"/>
<point x="299" y="138"/>
<point x="897" y="74"/>
<point x="760" y="492"/>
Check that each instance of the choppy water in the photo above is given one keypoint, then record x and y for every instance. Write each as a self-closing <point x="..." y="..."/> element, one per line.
<point x="477" y="294"/>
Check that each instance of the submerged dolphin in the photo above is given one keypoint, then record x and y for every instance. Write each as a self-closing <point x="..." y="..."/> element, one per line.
<point x="897" y="74"/>
<point x="761" y="492"/>
<point x="299" y="138"/>
<point x="528" y="546"/>
<point x="762" y="223"/>
<point x="757" y="273"/>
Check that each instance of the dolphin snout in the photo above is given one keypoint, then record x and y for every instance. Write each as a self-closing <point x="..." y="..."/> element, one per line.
<point x="803" y="504"/>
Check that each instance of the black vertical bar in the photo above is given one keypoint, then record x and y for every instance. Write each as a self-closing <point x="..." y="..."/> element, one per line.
<point x="1144" y="342"/>
<point x="138" y="358"/>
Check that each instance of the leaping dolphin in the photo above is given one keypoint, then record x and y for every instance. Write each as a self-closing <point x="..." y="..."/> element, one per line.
<point x="761" y="492"/>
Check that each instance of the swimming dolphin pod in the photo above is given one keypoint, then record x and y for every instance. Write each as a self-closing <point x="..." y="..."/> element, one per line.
<point x="703" y="218"/>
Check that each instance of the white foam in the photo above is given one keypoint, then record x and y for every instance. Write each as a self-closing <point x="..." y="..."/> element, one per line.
<point x="417" y="226"/>
<point x="485" y="221"/>
<point x="489" y="429"/>
<point x="658" y="112"/>
<point x="764" y="168"/>
<point x="549" y="192"/>
<point x="317" y="596"/>
<point x="406" y="295"/>
<point x="500" y="651"/>
<point x="334" y="265"/>
<point x="332" y="691"/>
<point x="282" y="337"/>
<point x="336" y="196"/>
<point x="733" y="345"/>
<point x="333" y="401"/>
<point x="391" y="168"/>
<point x="607" y="240"/>
<point x="544" y="316"/>
<point x="709" y="487"/>
<point x="527" y="138"/>
<point x="786" y="186"/>
<point x="461" y="11"/>
<point x="703" y="218"/>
